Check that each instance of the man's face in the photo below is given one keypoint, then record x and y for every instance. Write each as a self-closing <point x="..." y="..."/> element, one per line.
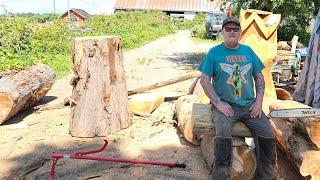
<point x="231" y="33"/>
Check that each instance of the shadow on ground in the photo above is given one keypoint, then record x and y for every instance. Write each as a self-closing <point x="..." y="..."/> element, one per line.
<point x="186" y="60"/>
<point x="24" y="113"/>
<point x="152" y="145"/>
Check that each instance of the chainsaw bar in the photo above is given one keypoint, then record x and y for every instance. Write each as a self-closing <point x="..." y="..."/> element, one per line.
<point x="298" y="112"/>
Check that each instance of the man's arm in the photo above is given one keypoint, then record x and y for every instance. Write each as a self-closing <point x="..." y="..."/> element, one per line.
<point x="260" y="86"/>
<point x="223" y="107"/>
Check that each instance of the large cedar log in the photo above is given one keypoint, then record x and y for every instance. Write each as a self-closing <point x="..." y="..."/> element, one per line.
<point x="195" y="120"/>
<point x="203" y="123"/>
<point x="23" y="89"/>
<point x="299" y="138"/>
<point x="99" y="87"/>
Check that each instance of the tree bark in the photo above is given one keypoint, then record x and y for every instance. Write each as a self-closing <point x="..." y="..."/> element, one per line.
<point x="183" y="109"/>
<point x="100" y="101"/>
<point x="24" y="89"/>
<point x="295" y="137"/>
<point x="308" y="86"/>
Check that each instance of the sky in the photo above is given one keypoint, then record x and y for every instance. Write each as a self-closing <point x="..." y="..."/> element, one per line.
<point x="47" y="6"/>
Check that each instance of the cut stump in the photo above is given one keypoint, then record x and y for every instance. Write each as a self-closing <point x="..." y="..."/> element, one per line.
<point x="99" y="87"/>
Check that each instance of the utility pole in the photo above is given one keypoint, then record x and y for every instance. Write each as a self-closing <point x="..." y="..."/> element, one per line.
<point x="68" y="10"/>
<point x="54" y="6"/>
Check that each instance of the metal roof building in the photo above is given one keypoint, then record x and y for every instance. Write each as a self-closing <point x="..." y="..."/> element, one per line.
<point x="170" y="5"/>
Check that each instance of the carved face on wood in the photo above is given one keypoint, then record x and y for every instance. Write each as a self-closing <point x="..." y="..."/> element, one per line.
<point x="90" y="49"/>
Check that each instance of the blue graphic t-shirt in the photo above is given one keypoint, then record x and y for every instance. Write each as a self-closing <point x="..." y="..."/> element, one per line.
<point x="232" y="72"/>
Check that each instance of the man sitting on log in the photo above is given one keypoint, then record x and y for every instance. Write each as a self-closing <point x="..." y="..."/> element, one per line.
<point x="232" y="67"/>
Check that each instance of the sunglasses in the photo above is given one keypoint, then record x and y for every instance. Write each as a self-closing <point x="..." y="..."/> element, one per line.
<point x="234" y="29"/>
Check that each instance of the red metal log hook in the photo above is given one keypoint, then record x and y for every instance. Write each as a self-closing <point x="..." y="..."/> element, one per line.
<point x="83" y="155"/>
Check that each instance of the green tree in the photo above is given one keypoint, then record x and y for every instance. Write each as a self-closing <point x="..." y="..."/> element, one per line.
<point x="295" y="15"/>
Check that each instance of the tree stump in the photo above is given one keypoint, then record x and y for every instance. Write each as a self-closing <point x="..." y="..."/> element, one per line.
<point x="24" y="89"/>
<point x="99" y="87"/>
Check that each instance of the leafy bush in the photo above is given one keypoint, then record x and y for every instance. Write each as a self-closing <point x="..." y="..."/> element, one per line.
<point x="295" y="15"/>
<point x="188" y="24"/>
<point x="135" y="28"/>
<point x="28" y="38"/>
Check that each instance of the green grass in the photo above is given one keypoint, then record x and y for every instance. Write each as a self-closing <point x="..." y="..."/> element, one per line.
<point x="27" y="40"/>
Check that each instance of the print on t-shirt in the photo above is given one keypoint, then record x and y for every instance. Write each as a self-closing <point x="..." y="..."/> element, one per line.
<point x="236" y="76"/>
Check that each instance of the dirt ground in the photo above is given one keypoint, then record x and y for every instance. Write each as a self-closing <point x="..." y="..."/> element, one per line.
<point x="28" y="139"/>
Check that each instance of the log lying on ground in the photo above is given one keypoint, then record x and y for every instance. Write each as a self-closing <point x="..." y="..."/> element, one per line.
<point x="164" y="83"/>
<point x="244" y="162"/>
<point x="24" y="89"/>
<point x="99" y="88"/>
<point x="183" y="109"/>
<point x="201" y="119"/>
<point x="195" y="119"/>
<point x="144" y="104"/>
<point x="309" y="126"/>
<point x="299" y="138"/>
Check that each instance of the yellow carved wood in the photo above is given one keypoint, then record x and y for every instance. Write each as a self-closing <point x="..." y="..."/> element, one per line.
<point x="259" y="31"/>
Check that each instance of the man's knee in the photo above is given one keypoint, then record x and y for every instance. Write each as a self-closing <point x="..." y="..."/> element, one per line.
<point x="223" y="124"/>
<point x="223" y="129"/>
<point x="263" y="128"/>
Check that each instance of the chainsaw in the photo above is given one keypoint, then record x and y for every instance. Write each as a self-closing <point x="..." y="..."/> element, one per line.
<point x="297" y="112"/>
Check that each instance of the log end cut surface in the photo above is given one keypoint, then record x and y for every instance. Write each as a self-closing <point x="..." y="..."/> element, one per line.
<point x="5" y="105"/>
<point x="310" y="164"/>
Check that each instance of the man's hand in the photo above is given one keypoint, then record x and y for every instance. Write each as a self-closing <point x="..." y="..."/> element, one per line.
<point x="256" y="110"/>
<point x="225" y="108"/>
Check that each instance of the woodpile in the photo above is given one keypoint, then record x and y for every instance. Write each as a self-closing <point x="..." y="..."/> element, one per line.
<point x="196" y="125"/>
<point x="299" y="138"/>
<point x="285" y="56"/>
<point x="24" y="89"/>
<point x="100" y="98"/>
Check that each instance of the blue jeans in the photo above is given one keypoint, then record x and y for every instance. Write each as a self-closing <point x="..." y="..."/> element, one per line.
<point x="262" y="133"/>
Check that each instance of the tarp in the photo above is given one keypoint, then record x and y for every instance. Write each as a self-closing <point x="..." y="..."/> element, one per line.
<point x="308" y="85"/>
